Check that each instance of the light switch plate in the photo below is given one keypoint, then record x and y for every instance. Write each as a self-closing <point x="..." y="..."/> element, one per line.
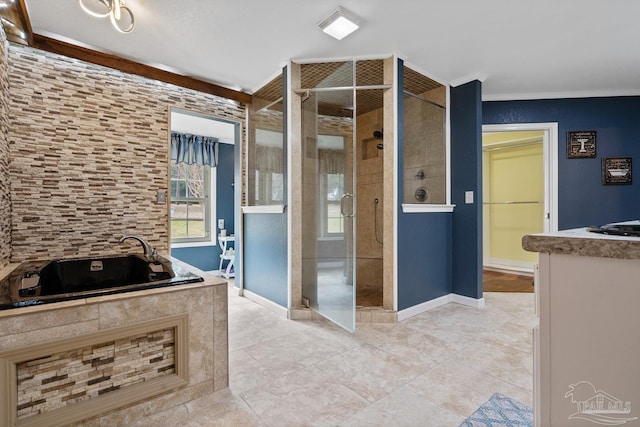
<point x="221" y="223"/>
<point x="468" y="197"/>
<point x="161" y="197"/>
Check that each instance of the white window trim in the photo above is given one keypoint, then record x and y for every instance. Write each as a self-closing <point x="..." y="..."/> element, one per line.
<point x="210" y="207"/>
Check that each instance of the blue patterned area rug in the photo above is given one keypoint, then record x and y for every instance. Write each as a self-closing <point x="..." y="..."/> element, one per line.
<point x="500" y="411"/>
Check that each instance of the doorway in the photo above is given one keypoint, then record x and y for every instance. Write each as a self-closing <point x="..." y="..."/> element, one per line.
<point x="202" y="193"/>
<point x="519" y="192"/>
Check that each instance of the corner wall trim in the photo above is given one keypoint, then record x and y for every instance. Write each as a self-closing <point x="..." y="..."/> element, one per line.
<point x="268" y="304"/>
<point x="471" y="302"/>
<point x="437" y="302"/>
<point x="422" y="307"/>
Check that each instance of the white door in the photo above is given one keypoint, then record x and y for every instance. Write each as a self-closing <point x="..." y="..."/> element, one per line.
<point x="519" y="191"/>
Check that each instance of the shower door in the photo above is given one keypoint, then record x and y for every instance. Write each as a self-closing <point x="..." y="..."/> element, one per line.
<point x="328" y="213"/>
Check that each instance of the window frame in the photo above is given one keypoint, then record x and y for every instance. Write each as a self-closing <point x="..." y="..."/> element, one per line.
<point x="323" y="232"/>
<point x="265" y="180"/>
<point x="208" y="186"/>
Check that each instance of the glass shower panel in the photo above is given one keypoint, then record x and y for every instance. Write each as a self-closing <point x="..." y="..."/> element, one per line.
<point x="425" y="162"/>
<point x="267" y="158"/>
<point x="266" y="151"/>
<point x="328" y="217"/>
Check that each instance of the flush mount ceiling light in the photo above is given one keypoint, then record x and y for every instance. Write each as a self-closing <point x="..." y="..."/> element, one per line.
<point x="120" y="15"/>
<point x="339" y="24"/>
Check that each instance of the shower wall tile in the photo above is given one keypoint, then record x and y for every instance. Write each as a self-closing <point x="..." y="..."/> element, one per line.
<point x="89" y="150"/>
<point x="366" y="243"/>
<point x="369" y="183"/>
<point x="424" y="149"/>
<point x="5" y="193"/>
<point x="369" y="272"/>
<point x="371" y="178"/>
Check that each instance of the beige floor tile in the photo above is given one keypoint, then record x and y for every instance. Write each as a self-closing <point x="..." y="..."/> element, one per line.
<point x="293" y="352"/>
<point x="305" y="398"/>
<point x="460" y="320"/>
<point x="174" y="416"/>
<point x="223" y="408"/>
<point x="246" y="373"/>
<point x="369" y="371"/>
<point x="433" y="369"/>
<point x="511" y="365"/>
<point x="511" y="335"/>
<point x="461" y="389"/>
<point x="423" y="348"/>
<point x="241" y="336"/>
<point x="510" y="302"/>
<point x="327" y="332"/>
<point x="404" y="407"/>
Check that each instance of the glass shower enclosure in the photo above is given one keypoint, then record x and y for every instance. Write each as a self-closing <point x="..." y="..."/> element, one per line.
<point x="328" y="196"/>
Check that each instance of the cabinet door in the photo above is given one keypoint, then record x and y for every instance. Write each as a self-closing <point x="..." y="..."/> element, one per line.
<point x="594" y="340"/>
<point x="536" y="376"/>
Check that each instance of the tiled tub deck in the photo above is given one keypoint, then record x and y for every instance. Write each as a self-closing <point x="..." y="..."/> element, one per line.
<point x="116" y="359"/>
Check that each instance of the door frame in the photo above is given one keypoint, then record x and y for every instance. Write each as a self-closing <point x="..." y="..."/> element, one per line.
<point x="550" y="160"/>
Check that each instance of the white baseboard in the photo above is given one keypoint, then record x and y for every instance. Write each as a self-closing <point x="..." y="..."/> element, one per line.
<point x="422" y="307"/>
<point x="509" y="266"/>
<point x="269" y="305"/>
<point x="402" y="314"/>
<point x="471" y="302"/>
<point x="445" y="299"/>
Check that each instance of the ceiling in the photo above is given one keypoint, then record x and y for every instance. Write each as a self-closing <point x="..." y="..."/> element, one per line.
<point x="520" y="50"/>
<point x="187" y="122"/>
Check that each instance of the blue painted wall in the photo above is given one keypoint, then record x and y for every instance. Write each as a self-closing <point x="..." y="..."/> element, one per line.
<point x="225" y="188"/>
<point x="265" y="245"/>
<point x="466" y="175"/>
<point x="424" y="257"/>
<point x="265" y="256"/>
<point x="582" y="199"/>
<point x="237" y="201"/>
<point x="424" y="242"/>
<point x="204" y="257"/>
<point x="208" y="257"/>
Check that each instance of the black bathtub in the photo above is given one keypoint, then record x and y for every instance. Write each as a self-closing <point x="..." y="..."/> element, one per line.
<point x="39" y="282"/>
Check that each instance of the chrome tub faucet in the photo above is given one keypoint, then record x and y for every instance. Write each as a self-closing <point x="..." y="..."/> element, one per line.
<point x="149" y="251"/>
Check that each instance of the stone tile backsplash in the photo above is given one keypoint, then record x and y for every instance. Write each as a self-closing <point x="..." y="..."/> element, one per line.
<point x="66" y="377"/>
<point x="88" y="150"/>
<point x="5" y="200"/>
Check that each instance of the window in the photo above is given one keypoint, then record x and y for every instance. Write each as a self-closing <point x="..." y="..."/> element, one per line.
<point x="269" y="188"/>
<point x="333" y="222"/>
<point x="190" y="202"/>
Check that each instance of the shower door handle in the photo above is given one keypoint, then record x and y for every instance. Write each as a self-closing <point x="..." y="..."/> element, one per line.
<point x="344" y="197"/>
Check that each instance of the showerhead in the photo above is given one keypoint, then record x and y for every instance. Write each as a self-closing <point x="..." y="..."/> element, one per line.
<point x="378" y="134"/>
<point x="380" y="146"/>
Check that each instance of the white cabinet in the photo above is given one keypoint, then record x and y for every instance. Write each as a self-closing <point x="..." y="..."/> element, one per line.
<point x="587" y="349"/>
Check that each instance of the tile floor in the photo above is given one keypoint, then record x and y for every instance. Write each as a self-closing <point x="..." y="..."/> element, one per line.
<point x="434" y="369"/>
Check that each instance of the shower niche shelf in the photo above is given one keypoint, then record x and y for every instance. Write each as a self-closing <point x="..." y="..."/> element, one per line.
<point x="370" y="148"/>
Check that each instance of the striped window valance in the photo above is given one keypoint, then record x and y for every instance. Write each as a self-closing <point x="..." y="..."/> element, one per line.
<point x="194" y="149"/>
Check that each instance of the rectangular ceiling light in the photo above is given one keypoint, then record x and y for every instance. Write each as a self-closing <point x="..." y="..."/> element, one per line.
<point x="339" y="24"/>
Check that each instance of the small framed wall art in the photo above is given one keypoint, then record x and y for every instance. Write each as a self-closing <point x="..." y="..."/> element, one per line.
<point x="581" y="144"/>
<point x="616" y="170"/>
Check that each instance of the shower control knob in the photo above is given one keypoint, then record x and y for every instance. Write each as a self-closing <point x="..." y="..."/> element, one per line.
<point x="421" y="194"/>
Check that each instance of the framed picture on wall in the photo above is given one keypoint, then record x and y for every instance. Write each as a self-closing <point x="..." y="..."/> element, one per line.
<point x="616" y="170"/>
<point x="581" y="144"/>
